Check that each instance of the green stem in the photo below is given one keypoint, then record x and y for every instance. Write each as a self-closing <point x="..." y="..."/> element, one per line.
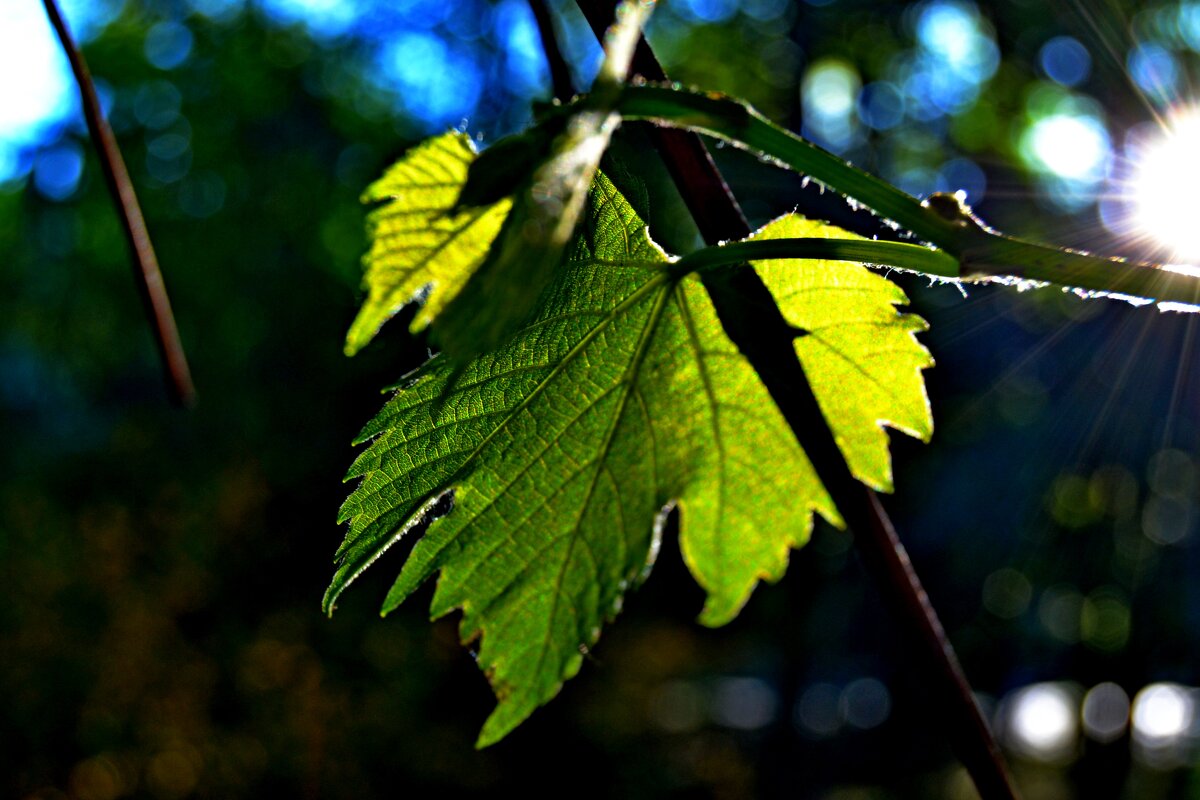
<point x="894" y="254"/>
<point x="725" y="118"/>
<point x="1002" y="255"/>
<point x="979" y="252"/>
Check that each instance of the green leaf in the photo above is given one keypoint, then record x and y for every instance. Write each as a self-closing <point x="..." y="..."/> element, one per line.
<point x="485" y="236"/>
<point x="421" y="247"/>
<point x="500" y="295"/>
<point x="564" y="449"/>
<point x="862" y="358"/>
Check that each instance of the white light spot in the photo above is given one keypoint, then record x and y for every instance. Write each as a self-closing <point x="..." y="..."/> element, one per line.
<point x="1041" y="721"/>
<point x="829" y="94"/>
<point x="1168" y="170"/>
<point x="1070" y="146"/>
<point x="36" y="84"/>
<point x="1162" y="712"/>
<point x="830" y="89"/>
<point x="35" y="80"/>
<point x="948" y="29"/>
<point x="323" y="17"/>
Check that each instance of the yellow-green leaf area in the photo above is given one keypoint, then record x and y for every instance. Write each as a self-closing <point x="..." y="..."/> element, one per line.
<point x="420" y="247"/>
<point x="860" y="354"/>
<point x="619" y="398"/>
<point x="500" y="296"/>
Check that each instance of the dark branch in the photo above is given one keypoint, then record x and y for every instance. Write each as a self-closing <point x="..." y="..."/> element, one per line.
<point x="560" y="72"/>
<point x="145" y="264"/>
<point x="754" y="323"/>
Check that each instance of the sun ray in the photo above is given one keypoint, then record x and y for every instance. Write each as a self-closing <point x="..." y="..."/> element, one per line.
<point x="1182" y="372"/>
<point x="1134" y="355"/>
<point x="1114" y="42"/>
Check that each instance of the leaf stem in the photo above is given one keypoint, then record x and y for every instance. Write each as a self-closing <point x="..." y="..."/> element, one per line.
<point x="1004" y="256"/>
<point x="895" y="254"/>
<point x="737" y="123"/>
<point x="145" y="263"/>
<point x="981" y="252"/>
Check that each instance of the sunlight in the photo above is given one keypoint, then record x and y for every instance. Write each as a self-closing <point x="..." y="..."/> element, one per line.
<point x="1042" y="721"/>
<point x="1167" y="172"/>
<point x="34" y="81"/>
<point x="1162" y="712"/>
<point x="829" y="94"/>
<point x="1070" y="146"/>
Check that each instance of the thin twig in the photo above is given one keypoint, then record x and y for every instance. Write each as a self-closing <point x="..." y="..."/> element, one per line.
<point x="145" y="264"/>
<point x="560" y="72"/>
<point x="755" y="324"/>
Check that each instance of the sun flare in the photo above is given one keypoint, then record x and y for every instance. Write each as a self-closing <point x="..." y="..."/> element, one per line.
<point x="1164" y="186"/>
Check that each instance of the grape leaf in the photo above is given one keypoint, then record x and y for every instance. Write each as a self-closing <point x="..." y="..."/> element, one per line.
<point x="498" y="298"/>
<point x="500" y="294"/>
<point x="852" y="338"/>
<point x="620" y="398"/>
<point x="421" y="246"/>
<point x="447" y="228"/>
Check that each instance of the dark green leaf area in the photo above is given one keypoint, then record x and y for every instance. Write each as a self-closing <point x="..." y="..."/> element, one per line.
<point x="620" y="397"/>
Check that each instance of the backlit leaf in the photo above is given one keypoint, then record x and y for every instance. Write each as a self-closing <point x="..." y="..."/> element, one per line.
<point x="419" y="243"/>
<point x="853" y="338"/>
<point x="620" y="398"/>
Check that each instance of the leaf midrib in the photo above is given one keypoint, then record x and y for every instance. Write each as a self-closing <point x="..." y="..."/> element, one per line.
<point x="632" y="373"/>
<point x="636" y="296"/>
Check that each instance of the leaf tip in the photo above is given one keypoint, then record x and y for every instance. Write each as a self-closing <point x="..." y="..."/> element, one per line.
<point x="720" y="610"/>
<point x="362" y="330"/>
<point x="329" y="601"/>
<point x="499" y="724"/>
<point x="485" y="740"/>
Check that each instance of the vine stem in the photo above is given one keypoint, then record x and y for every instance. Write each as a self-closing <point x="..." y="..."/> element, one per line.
<point x="145" y="264"/>
<point x="865" y="251"/>
<point x="982" y="253"/>
<point x="755" y="324"/>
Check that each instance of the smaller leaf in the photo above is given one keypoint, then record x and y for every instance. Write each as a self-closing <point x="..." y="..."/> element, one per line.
<point x="862" y="358"/>
<point x="483" y="238"/>
<point x="422" y="247"/>
<point x="501" y="294"/>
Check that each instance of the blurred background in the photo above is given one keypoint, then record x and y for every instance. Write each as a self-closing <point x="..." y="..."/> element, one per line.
<point x="161" y="634"/>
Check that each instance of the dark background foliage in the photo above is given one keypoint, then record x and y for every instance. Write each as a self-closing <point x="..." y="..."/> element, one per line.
<point x="161" y="635"/>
